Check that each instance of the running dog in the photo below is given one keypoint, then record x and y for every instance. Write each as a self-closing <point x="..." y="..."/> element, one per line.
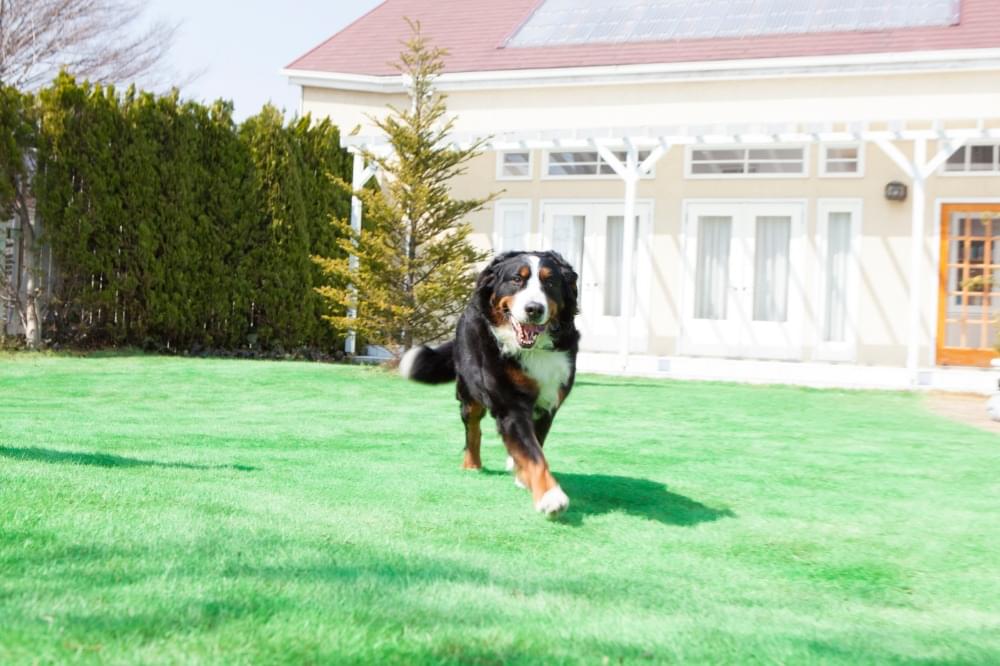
<point x="514" y="355"/>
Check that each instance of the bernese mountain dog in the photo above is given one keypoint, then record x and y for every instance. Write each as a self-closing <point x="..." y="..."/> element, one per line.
<point x="514" y="355"/>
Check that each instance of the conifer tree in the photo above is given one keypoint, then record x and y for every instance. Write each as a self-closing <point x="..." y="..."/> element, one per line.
<point x="416" y="264"/>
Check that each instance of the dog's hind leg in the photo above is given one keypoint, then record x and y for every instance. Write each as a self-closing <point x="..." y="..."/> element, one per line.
<point x="472" y="415"/>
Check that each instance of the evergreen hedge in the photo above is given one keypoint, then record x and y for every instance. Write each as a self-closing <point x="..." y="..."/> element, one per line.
<point x="171" y="225"/>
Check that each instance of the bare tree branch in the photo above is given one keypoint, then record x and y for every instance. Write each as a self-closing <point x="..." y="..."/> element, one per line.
<point x="106" y="41"/>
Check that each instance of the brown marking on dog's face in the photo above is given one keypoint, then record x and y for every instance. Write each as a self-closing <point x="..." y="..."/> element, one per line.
<point x="524" y="272"/>
<point x="521" y="380"/>
<point x="544" y="273"/>
<point x="553" y="308"/>
<point x="501" y="308"/>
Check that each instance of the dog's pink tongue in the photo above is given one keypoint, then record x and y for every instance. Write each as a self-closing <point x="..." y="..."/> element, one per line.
<point x="527" y="334"/>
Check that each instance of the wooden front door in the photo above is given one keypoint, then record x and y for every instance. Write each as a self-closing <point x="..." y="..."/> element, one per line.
<point x="969" y="302"/>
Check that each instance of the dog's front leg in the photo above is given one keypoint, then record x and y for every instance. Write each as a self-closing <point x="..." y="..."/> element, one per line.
<point x="518" y="432"/>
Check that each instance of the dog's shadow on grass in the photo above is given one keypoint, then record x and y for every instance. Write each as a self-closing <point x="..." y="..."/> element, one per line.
<point x="599" y="494"/>
<point x="102" y="459"/>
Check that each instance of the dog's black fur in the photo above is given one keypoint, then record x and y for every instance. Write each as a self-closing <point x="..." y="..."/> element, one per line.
<point x="495" y="372"/>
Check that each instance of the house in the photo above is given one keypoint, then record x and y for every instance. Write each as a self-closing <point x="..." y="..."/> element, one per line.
<point x="814" y="186"/>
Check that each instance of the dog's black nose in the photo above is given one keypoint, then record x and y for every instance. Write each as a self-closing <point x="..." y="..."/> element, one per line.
<point x="534" y="311"/>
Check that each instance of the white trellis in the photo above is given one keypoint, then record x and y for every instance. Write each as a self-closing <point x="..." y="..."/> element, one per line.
<point x="658" y="140"/>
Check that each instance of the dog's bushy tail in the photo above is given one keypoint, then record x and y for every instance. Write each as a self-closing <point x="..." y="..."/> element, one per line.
<point x="430" y="366"/>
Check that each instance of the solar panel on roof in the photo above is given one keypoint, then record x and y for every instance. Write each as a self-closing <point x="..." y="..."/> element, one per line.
<point x="561" y="22"/>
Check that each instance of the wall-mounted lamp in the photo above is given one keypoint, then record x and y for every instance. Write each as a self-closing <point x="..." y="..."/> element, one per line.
<point x="895" y="191"/>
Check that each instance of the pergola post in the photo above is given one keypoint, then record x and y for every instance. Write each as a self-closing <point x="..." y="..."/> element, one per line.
<point x="359" y="177"/>
<point x="630" y="172"/>
<point x="917" y="223"/>
<point x="628" y="253"/>
<point x="918" y="169"/>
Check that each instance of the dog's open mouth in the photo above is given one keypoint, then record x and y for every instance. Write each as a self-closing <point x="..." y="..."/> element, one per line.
<point x="526" y="334"/>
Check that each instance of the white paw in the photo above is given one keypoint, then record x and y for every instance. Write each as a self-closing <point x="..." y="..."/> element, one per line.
<point x="553" y="502"/>
<point x="519" y="483"/>
<point x="510" y="464"/>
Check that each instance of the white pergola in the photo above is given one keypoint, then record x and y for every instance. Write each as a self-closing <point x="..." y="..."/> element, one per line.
<point x="917" y="167"/>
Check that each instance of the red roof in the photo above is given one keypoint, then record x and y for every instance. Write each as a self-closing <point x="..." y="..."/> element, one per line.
<point x="475" y="31"/>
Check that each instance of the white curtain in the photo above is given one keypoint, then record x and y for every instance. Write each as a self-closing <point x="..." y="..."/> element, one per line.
<point x="838" y="250"/>
<point x="513" y="230"/>
<point x="712" y="267"/>
<point x="613" y="260"/>
<point x="567" y="240"/>
<point x="770" y="285"/>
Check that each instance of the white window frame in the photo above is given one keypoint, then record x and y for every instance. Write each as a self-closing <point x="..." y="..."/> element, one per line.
<point x="596" y="176"/>
<point x="943" y="169"/>
<point x="689" y="152"/>
<point x="823" y="159"/>
<point x="499" y="208"/>
<point x="845" y="351"/>
<point x="500" y="164"/>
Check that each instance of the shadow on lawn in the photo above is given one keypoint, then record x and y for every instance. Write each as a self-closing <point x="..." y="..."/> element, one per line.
<point x="102" y="459"/>
<point x="597" y="494"/>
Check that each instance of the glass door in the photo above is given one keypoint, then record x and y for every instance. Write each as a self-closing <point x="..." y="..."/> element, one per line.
<point x="591" y="237"/>
<point x="772" y="242"/>
<point x="969" y="300"/>
<point x="743" y="262"/>
<point x="713" y="266"/>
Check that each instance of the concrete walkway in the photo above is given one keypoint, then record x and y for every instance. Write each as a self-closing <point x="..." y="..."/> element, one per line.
<point x="962" y="407"/>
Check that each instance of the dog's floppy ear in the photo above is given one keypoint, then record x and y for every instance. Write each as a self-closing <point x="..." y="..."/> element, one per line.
<point x="487" y="280"/>
<point x="569" y="277"/>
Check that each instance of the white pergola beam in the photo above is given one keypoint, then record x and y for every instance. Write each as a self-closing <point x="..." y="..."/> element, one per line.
<point x="642" y="137"/>
<point x="919" y="215"/>
<point x="943" y="154"/>
<point x="628" y="253"/>
<point x="360" y="176"/>
<point x="896" y="155"/>
<point x="659" y="139"/>
<point x="918" y="169"/>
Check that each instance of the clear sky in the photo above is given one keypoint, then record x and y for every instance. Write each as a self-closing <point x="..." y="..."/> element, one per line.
<point x="241" y="45"/>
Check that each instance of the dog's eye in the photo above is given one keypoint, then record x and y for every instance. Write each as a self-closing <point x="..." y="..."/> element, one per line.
<point x="517" y="279"/>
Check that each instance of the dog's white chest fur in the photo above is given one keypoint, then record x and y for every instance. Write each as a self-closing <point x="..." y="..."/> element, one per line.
<point x="550" y="369"/>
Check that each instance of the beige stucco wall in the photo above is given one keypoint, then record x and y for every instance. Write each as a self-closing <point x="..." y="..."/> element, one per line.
<point x="885" y="237"/>
<point x="885" y="246"/>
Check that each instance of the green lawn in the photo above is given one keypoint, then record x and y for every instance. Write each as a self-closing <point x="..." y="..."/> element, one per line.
<point x="179" y="511"/>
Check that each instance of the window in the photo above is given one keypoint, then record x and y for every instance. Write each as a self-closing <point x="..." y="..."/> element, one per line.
<point x="838" y="232"/>
<point x="512" y="226"/>
<point x="711" y="296"/>
<point x="842" y="161"/>
<point x="514" y="165"/>
<point x="975" y="158"/>
<point x="838" y="249"/>
<point x="567" y="240"/>
<point x="614" y="259"/>
<point x="771" y="267"/>
<point x="753" y="162"/>
<point x="584" y="163"/>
